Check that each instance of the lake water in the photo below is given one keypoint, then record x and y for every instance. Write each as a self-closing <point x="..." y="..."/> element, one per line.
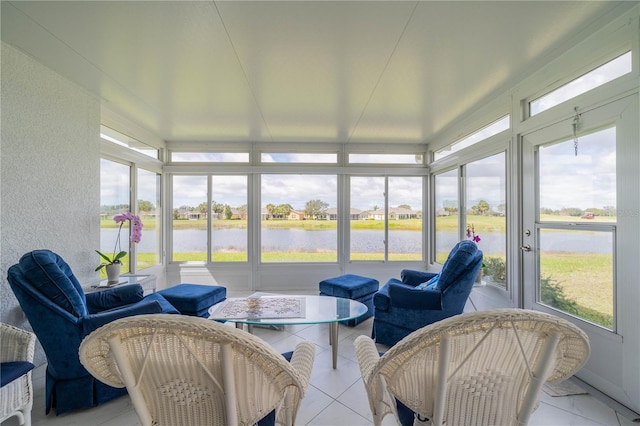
<point x="362" y="241"/>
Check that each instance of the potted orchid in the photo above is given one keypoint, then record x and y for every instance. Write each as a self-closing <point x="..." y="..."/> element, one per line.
<point x="113" y="264"/>
<point x="471" y="234"/>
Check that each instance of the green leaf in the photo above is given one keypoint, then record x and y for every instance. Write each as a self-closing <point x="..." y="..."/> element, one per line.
<point x="105" y="257"/>
<point x="119" y="256"/>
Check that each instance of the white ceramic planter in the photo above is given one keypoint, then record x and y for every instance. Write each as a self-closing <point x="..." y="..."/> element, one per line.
<point x="113" y="272"/>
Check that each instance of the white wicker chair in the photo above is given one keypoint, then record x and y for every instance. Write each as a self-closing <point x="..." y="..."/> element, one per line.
<point x="16" y="397"/>
<point x="181" y="370"/>
<point x="480" y="368"/>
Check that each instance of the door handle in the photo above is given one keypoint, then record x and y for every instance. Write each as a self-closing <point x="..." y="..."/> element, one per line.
<point x="525" y="247"/>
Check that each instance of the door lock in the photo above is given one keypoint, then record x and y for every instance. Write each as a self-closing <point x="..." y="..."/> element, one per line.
<point x="525" y="247"/>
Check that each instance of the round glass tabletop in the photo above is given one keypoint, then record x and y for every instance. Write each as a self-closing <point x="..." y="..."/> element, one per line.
<point x="283" y="309"/>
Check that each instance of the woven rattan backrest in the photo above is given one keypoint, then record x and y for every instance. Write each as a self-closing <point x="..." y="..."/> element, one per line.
<point x="183" y="370"/>
<point x="482" y="368"/>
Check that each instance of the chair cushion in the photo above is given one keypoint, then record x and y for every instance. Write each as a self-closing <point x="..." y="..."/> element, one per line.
<point x="349" y="286"/>
<point x="51" y="275"/>
<point x="193" y="299"/>
<point x="429" y="285"/>
<point x="9" y="371"/>
<point x="462" y="257"/>
<point x="165" y="306"/>
<point x="114" y="297"/>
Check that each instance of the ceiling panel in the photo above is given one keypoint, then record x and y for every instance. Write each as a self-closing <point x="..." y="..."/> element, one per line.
<point x="301" y="71"/>
<point x="456" y="54"/>
<point x="314" y="64"/>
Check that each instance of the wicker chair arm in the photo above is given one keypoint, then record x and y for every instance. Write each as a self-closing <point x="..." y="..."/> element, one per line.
<point x="302" y="363"/>
<point x="381" y="401"/>
<point x="16" y="344"/>
<point x="368" y="356"/>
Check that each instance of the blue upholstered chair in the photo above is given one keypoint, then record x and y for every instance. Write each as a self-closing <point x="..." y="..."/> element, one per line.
<point x="421" y="298"/>
<point x="61" y="315"/>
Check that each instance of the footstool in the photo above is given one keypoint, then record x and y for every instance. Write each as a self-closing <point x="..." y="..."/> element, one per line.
<point x="194" y="299"/>
<point x="354" y="287"/>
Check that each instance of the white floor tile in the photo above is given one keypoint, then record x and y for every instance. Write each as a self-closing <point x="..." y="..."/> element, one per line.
<point x="331" y="381"/>
<point x="584" y="406"/>
<point x="337" y="414"/>
<point x="548" y="415"/>
<point x="314" y="402"/>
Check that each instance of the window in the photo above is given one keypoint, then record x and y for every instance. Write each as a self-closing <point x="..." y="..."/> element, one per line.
<point x="576" y="231"/>
<point x="386" y="158"/>
<point x="229" y="218"/>
<point x="592" y="175"/>
<point x="485" y="216"/>
<point x="446" y="214"/>
<point x="297" y="224"/>
<point x="189" y="222"/>
<point x="115" y="181"/>
<point x="486" y="132"/>
<point x="148" y="189"/>
<point x="281" y="157"/>
<point x="121" y="139"/>
<point x="367" y="218"/>
<point x="599" y="76"/>
<point x="386" y="227"/>
<point x="405" y="218"/>
<point x="209" y="157"/>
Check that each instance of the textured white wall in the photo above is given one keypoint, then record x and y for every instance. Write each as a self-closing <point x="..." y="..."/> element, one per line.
<point x="49" y="171"/>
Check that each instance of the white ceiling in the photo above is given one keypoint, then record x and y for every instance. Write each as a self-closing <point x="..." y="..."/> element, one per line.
<point x="300" y="71"/>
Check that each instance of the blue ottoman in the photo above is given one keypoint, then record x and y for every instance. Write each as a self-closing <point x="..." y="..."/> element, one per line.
<point x="354" y="287"/>
<point x="194" y="299"/>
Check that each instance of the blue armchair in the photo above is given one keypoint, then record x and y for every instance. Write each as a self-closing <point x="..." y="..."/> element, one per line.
<point x="61" y="315"/>
<point x="421" y="298"/>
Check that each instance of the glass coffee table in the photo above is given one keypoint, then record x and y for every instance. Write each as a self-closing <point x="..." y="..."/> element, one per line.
<point x="268" y="309"/>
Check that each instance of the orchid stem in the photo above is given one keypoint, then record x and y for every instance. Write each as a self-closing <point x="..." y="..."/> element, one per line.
<point x="117" y="246"/>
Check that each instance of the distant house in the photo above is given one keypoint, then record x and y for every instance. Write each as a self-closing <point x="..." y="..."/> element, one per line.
<point x="395" y="213"/>
<point x="399" y="213"/>
<point x="373" y="215"/>
<point x="296" y="215"/>
<point x="238" y="214"/>
<point x="332" y="214"/>
<point x="185" y="214"/>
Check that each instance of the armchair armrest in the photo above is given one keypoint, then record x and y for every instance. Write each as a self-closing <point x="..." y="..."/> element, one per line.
<point x="413" y="278"/>
<point x="407" y="297"/>
<point x="95" y="321"/>
<point x="113" y="298"/>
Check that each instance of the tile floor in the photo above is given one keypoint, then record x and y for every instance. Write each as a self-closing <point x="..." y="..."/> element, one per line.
<point x="335" y="397"/>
